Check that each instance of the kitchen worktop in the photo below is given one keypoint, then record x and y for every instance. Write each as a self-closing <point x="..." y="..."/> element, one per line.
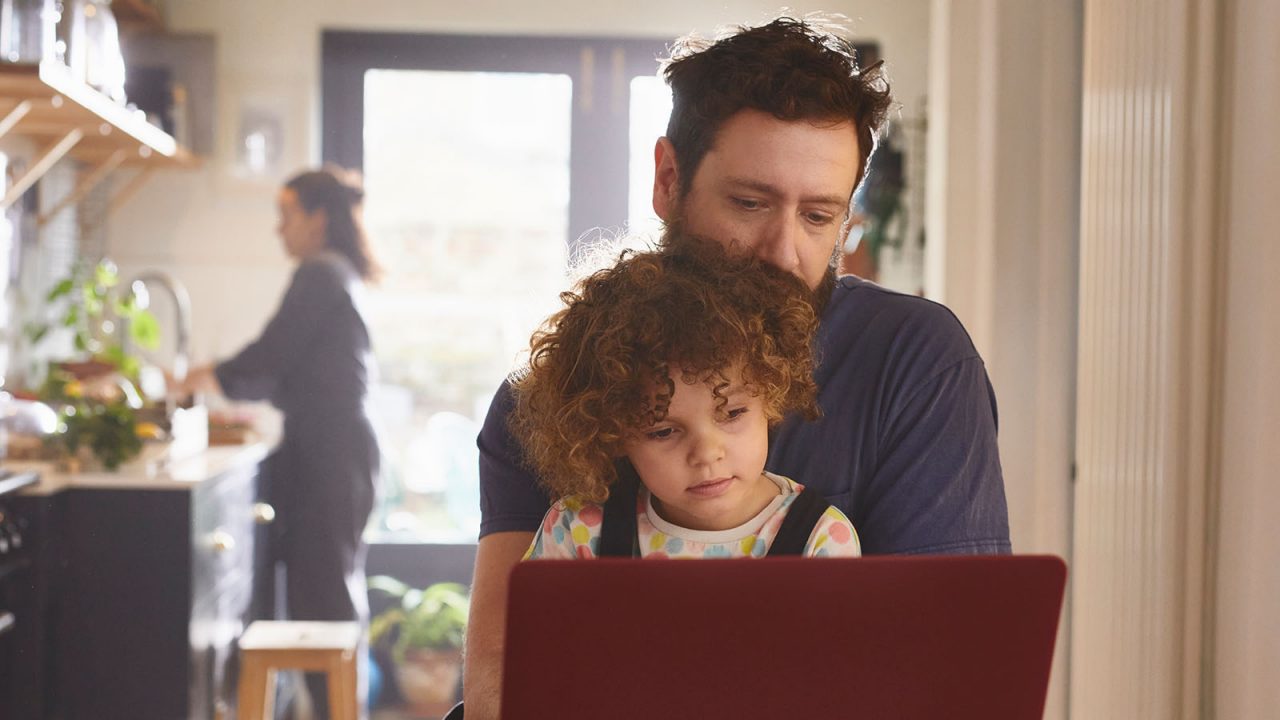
<point x="158" y="467"/>
<point x="156" y="563"/>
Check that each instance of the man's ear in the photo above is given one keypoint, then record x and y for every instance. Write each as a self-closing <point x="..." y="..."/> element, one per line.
<point x="666" y="180"/>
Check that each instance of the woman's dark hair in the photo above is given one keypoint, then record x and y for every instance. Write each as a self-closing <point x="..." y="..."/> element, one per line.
<point x="338" y="192"/>
<point x="792" y="69"/>
<point x="600" y="369"/>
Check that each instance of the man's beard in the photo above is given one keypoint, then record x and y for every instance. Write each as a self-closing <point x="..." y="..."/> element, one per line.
<point x="826" y="288"/>
<point x="676" y="231"/>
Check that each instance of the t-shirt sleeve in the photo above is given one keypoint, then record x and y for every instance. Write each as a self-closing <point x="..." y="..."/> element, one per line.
<point x="563" y="535"/>
<point x="511" y="499"/>
<point x="938" y="457"/>
<point x="311" y="300"/>
<point x="833" y="536"/>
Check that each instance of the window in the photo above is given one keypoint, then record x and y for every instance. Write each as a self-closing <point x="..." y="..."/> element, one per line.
<point x="487" y="163"/>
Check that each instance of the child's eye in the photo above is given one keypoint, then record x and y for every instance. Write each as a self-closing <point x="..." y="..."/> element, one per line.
<point x="659" y="434"/>
<point x="736" y="413"/>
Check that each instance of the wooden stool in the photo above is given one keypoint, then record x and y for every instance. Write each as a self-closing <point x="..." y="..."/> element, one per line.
<point x="270" y="645"/>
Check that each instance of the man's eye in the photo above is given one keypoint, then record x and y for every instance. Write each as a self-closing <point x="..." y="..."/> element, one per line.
<point x="820" y="218"/>
<point x="660" y="434"/>
<point x="747" y="203"/>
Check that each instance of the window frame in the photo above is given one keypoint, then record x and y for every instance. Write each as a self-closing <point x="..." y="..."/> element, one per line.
<point x="599" y="68"/>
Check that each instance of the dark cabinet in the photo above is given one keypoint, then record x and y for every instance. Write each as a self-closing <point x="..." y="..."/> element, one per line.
<point x="145" y="594"/>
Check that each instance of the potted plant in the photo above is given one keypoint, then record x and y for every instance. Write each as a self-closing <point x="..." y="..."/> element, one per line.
<point x="91" y="308"/>
<point x="94" y="390"/>
<point x="423" y="633"/>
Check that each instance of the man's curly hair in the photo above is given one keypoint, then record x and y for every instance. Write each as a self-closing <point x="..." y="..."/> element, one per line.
<point x="793" y="69"/>
<point x="599" y="368"/>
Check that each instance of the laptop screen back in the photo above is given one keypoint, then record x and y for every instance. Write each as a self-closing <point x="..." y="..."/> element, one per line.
<point x="881" y="637"/>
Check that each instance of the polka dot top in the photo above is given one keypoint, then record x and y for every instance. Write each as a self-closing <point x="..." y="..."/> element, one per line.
<point x="571" y="529"/>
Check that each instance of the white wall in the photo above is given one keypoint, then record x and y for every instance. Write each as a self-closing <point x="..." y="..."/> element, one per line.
<point x="1002" y="208"/>
<point x="1247" y="646"/>
<point x="215" y="230"/>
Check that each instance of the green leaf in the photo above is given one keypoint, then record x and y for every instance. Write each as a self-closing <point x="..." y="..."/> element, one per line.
<point x="105" y="274"/>
<point x="388" y="585"/>
<point x="446" y="592"/>
<point x="145" y="329"/>
<point x="432" y="618"/>
<point x="113" y="354"/>
<point x="36" y="333"/>
<point x="385" y="623"/>
<point x="62" y="289"/>
<point x="92" y="301"/>
<point x="130" y="366"/>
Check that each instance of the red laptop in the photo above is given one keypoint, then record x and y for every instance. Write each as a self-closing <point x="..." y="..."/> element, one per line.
<point x="881" y="637"/>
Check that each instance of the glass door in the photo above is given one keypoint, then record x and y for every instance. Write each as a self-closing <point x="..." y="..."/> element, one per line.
<point x="487" y="163"/>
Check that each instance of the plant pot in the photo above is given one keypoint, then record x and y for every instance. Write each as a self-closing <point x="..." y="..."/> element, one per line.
<point x="87" y="369"/>
<point x="428" y="680"/>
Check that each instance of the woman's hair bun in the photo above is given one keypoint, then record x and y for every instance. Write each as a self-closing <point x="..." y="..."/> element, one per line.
<point x="350" y="182"/>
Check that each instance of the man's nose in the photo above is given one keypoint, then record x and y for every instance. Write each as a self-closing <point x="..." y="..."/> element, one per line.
<point x="778" y="243"/>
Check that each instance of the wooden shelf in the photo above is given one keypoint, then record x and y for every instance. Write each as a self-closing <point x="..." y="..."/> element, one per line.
<point x="54" y="104"/>
<point x="66" y="117"/>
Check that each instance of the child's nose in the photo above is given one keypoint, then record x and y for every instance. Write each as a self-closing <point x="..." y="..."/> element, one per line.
<point x="708" y="449"/>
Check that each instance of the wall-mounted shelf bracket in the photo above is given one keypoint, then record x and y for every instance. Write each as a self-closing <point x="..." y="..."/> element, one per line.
<point x="66" y="117"/>
<point x="46" y="160"/>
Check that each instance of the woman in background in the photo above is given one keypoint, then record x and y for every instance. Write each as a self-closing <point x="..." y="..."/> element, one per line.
<point x="313" y="362"/>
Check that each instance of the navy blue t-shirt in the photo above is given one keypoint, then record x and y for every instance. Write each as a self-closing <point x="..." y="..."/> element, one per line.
<point x="906" y="446"/>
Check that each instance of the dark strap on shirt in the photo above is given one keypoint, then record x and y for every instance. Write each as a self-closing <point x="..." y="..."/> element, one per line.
<point x="802" y="517"/>
<point x="618" y="530"/>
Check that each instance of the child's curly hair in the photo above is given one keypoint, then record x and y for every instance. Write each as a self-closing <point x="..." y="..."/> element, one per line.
<point x="598" y="369"/>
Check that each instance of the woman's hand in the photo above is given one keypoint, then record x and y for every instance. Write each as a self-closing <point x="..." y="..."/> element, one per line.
<point x="199" y="380"/>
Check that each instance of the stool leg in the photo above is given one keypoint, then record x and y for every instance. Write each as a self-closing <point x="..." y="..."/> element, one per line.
<point x="269" y="699"/>
<point x="253" y="695"/>
<point x="352" y="675"/>
<point x="340" y="707"/>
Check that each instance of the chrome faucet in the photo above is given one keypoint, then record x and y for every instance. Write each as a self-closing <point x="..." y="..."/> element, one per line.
<point x="182" y="305"/>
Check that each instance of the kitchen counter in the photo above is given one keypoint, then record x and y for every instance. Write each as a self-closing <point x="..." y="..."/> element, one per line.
<point x="157" y="563"/>
<point x="156" y="468"/>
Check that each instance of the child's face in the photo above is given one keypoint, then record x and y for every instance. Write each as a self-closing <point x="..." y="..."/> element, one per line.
<point x="706" y="473"/>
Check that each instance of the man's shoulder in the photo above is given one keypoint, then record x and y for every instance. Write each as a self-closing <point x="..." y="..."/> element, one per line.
<point x="862" y="303"/>
<point x="863" y="317"/>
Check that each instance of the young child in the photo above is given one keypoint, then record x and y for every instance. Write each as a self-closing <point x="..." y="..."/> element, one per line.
<point x="670" y="367"/>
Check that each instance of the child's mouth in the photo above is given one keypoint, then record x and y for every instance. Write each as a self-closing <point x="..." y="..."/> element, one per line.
<point x="711" y="487"/>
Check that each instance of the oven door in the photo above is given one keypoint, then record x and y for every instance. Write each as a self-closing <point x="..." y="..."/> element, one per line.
<point x="18" y="669"/>
<point x="8" y="634"/>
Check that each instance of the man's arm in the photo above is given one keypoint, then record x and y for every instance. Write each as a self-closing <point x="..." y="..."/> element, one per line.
<point x="511" y="506"/>
<point x="938" y="487"/>
<point x="496" y="555"/>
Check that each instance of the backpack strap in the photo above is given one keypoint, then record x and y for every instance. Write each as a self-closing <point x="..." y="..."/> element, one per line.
<point x="802" y="517"/>
<point x="618" y="527"/>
